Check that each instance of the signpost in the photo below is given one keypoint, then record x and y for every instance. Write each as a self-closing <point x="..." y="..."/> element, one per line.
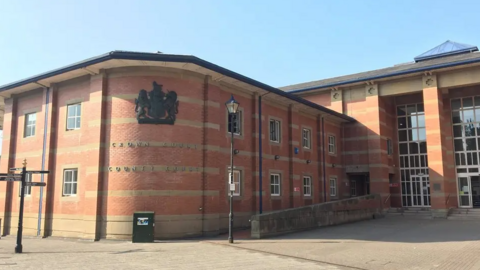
<point x="22" y="178"/>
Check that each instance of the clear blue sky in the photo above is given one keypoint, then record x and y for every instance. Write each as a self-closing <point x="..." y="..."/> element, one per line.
<point x="277" y="42"/>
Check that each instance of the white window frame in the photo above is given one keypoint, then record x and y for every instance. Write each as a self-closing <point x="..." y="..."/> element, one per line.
<point x="275" y="130"/>
<point x="77" y="114"/>
<point x="331" y="144"/>
<point x="72" y="182"/>
<point x="237" y="124"/>
<point x="307" y="186"/>
<point x="275" y="180"/>
<point x="306" y="138"/>
<point x="353" y="188"/>
<point x="237" y="180"/>
<point x="28" y="189"/>
<point x="30" y="124"/>
<point x="333" y="186"/>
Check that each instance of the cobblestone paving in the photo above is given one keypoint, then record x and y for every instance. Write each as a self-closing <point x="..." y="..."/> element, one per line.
<point x="390" y="243"/>
<point x="74" y="254"/>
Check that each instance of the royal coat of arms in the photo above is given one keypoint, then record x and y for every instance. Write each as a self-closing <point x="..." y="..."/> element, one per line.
<point x="156" y="106"/>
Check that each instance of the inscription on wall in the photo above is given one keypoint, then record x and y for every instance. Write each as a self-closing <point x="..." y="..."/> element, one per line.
<point x="150" y="168"/>
<point x="147" y="144"/>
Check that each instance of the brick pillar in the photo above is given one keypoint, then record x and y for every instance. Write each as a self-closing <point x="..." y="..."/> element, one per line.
<point x="49" y="191"/>
<point x="377" y="145"/>
<point x="337" y="100"/>
<point x="318" y="182"/>
<point x="92" y="213"/>
<point x="291" y="174"/>
<point x="440" y="175"/>
<point x="254" y="149"/>
<point x="8" y="160"/>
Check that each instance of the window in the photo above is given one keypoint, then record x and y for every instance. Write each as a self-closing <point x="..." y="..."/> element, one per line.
<point x="331" y="144"/>
<point x="389" y="147"/>
<point x="412" y="152"/>
<point x="307" y="186"/>
<point x="30" y="121"/>
<point x="74" y="112"/>
<point x="70" y="178"/>
<point x="274" y="131"/>
<point x="236" y="181"/>
<point x="333" y="186"/>
<point x="353" y="188"/>
<point x="306" y="138"/>
<point x="275" y="184"/>
<point x="28" y="189"/>
<point x="237" y="123"/>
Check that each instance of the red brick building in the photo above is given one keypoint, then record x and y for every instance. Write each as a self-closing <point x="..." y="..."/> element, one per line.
<point x="406" y="132"/>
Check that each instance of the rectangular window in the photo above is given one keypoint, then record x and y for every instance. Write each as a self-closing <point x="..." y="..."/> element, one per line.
<point x="74" y="112"/>
<point x="353" y="188"/>
<point x="236" y="181"/>
<point x="275" y="184"/>
<point x="389" y="147"/>
<point x="28" y="189"/>
<point x="307" y="186"/>
<point x="333" y="186"/>
<point x="274" y="130"/>
<point x="236" y="119"/>
<point x="70" y="178"/>
<point x="306" y="138"/>
<point x="30" y="122"/>
<point x="331" y="144"/>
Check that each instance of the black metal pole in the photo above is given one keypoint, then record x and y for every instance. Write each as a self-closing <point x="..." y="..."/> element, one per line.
<point x="19" y="248"/>
<point x="230" y="226"/>
<point x="260" y="157"/>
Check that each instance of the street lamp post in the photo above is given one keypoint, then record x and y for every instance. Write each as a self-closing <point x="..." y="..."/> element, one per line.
<point x="232" y="107"/>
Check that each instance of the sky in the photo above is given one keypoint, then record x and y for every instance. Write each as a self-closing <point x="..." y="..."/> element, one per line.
<point x="277" y="42"/>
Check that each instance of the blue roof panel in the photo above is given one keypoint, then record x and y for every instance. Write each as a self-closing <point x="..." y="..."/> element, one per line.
<point x="445" y="49"/>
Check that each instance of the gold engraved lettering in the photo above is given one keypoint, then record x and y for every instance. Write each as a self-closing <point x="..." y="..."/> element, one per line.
<point x="139" y="143"/>
<point x="130" y="144"/>
<point x="118" y="169"/>
<point x="126" y="169"/>
<point x="121" y="144"/>
<point x="134" y="169"/>
<point x="110" y="169"/>
<point x="143" y="168"/>
<point x="146" y="144"/>
<point x="113" y="145"/>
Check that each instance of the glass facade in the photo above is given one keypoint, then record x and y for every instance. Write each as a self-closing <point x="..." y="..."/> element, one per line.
<point x="412" y="149"/>
<point x="466" y="146"/>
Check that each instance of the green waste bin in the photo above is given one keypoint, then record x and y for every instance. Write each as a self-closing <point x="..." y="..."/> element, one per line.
<point x="143" y="227"/>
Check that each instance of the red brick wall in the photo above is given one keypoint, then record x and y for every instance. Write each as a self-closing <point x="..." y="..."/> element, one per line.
<point x="108" y="119"/>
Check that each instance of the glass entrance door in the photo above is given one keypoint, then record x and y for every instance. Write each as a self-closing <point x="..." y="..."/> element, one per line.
<point x="464" y="198"/>
<point x="420" y="191"/>
<point x="475" y="190"/>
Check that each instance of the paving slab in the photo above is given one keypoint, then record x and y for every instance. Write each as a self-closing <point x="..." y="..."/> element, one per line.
<point x="390" y="243"/>
<point x="52" y="253"/>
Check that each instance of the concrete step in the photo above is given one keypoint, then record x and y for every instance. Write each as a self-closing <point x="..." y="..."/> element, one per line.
<point x="464" y="217"/>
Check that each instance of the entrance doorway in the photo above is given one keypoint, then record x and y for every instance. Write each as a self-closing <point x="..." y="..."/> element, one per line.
<point x="420" y="187"/>
<point x="469" y="191"/>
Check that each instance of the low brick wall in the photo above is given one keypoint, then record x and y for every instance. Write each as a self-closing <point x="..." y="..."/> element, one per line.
<point x="317" y="215"/>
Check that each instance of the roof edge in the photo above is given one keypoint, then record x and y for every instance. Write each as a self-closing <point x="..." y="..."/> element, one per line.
<point x="399" y="73"/>
<point x="126" y="55"/>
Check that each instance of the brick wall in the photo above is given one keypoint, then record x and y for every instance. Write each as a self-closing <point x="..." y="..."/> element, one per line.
<point x="178" y="171"/>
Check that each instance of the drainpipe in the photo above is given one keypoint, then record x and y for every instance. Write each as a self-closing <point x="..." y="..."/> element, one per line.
<point x="324" y="161"/>
<point x="260" y="156"/>
<point x="42" y="176"/>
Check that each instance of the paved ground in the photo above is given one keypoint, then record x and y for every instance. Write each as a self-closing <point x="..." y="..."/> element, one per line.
<point x="391" y="243"/>
<point x="73" y="254"/>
